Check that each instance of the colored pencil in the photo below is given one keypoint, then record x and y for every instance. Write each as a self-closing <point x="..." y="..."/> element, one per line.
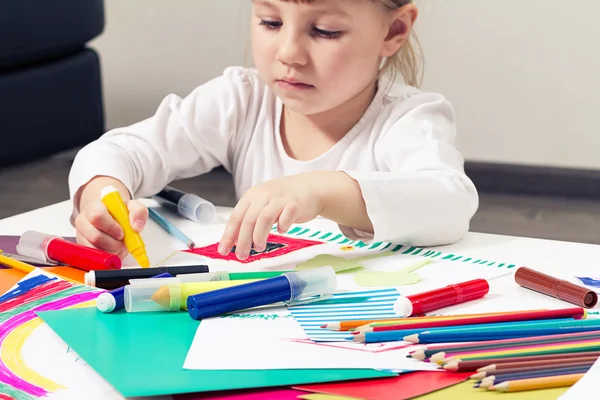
<point x="170" y="228"/>
<point x="538" y="383"/>
<point x="354" y="324"/>
<point x="510" y="363"/>
<point x="27" y="268"/>
<point x="562" y="349"/>
<point x="438" y="352"/>
<point x="400" y="335"/>
<point x="543" y="328"/>
<point x="521" y="348"/>
<point x="537" y="367"/>
<point x="497" y="379"/>
<point x="475" y="365"/>
<point x="575" y="313"/>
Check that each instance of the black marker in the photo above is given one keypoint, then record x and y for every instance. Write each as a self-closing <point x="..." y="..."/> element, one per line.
<point x="189" y="205"/>
<point x="113" y="279"/>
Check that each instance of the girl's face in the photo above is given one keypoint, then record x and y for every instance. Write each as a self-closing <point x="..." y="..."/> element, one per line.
<point x="318" y="55"/>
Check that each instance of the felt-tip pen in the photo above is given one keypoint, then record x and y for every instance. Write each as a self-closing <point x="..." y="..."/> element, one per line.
<point x="117" y="278"/>
<point x="188" y="205"/>
<point x="290" y="288"/>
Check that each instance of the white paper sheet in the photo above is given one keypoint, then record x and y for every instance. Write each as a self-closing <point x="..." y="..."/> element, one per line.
<point x="586" y="386"/>
<point x="274" y="340"/>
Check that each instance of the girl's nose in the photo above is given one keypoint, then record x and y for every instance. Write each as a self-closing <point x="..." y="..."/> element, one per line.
<point x="292" y="50"/>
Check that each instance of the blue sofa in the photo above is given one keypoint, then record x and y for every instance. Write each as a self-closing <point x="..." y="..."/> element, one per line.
<point x="50" y="82"/>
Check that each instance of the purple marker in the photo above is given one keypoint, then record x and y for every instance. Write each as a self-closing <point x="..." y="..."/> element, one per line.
<point x="114" y="300"/>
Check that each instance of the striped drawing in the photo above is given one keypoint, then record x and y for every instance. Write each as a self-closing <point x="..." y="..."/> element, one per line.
<point x="356" y="305"/>
<point x="330" y="237"/>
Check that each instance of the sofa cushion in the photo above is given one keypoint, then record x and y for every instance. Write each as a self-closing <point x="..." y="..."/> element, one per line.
<point x="50" y="107"/>
<point x="34" y="30"/>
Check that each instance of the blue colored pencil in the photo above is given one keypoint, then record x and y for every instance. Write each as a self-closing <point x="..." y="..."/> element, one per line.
<point x="400" y="334"/>
<point x="474" y="335"/>
<point x="496" y="379"/>
<point x="169" y="227"/>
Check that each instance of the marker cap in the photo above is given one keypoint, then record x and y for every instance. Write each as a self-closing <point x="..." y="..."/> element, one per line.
<point x="196" y="208"/>
<point x="403" y="307"/>
<point x="33" y="244"/>
<point x="138" y="295"/>
<point x="311" y="285"/>
<point x="106" y="303"/>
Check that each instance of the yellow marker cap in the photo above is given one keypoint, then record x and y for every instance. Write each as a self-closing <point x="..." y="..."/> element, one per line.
<point x="118" y="210"/>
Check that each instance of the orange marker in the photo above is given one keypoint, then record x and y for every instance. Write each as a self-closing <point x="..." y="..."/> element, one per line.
<point x="118" y="210"/>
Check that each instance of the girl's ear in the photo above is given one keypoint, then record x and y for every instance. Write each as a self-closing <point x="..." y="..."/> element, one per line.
<point x="400" y="22"/>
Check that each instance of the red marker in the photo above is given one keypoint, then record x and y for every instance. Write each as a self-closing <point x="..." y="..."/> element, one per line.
<point x="408" y="306"/>
<point x="56" y="249"/>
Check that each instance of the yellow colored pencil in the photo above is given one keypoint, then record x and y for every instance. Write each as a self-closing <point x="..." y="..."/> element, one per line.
<point x="520" y="350"/>
<point x="27" y="268"/>
<point x="547" y="382"/>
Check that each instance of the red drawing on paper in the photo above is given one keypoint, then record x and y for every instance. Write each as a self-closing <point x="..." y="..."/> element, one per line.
<point x="276" y="246"/>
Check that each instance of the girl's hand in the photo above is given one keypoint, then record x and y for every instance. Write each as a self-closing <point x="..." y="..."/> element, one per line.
<point x="96" y="228"/>
<point x="285" y="201"/>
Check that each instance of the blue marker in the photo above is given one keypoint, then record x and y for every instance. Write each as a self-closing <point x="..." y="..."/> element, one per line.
<point x="111" y="301"/>
<point x="289" y="288"/>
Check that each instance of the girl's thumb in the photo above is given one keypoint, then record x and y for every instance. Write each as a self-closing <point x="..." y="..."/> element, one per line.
<point x="138" y="215"/>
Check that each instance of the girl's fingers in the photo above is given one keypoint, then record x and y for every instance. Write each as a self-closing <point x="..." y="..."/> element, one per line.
<point x="138" y="215"/>
<point x="98" y="217"/>
<point x="246" y="232"/>
<point x="233" y="227"/>
<point x="267" y="217"/>
<point x="288" y="216"/>
<point x="90" y="236"/>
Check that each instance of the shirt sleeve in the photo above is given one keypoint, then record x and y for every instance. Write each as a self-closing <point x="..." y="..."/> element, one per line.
<point x="184" y="138"/>
<point x="420" y="194"/>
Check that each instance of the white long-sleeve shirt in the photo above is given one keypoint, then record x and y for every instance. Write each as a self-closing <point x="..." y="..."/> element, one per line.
<point x="402" y="154"/>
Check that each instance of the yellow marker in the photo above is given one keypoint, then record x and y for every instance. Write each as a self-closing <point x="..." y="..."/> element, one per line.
<point x="174" y="296"/>
<point x="118" y="210"/>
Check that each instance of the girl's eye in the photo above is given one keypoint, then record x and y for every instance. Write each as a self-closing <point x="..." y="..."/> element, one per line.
<point x="270" y="24"/>
<point x="327" y="34"/>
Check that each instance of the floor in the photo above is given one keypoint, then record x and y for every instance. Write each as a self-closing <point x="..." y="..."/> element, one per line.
<point x="30" y="186"/>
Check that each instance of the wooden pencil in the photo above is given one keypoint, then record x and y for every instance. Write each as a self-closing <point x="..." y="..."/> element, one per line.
<point x="350" y="325"/>
<point x="533" y="367"/>
<point x="439" y="352"/>
<point x="496" y="379"/>
<point x="575" y="313"/>
<point x="534" y="351"/>
<point x="538" y="383"/>
<point x="27" y="268"/>
<point x="471" y="366"/>
<point x="509" y="331"/>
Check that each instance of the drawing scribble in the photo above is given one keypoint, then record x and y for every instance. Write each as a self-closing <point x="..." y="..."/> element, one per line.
<point x="18" y="307"/>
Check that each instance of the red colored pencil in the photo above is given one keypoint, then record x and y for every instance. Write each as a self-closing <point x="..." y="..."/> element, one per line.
<point x="576" y="313"/>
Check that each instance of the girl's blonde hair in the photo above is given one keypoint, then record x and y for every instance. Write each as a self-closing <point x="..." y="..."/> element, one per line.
<point x="408" y="61"/>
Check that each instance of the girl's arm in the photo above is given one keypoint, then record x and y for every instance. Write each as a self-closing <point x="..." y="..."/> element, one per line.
<point x="420" y="195"/>
<point x="184" y="138"/>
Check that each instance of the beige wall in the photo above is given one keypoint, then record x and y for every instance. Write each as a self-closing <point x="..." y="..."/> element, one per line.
<point x="521" y="74"/>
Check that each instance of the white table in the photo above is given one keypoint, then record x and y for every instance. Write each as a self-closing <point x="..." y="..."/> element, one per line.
<point x="563" y="259"/>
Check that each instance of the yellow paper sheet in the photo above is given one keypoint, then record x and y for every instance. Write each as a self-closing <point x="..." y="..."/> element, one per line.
<point x="465" y="391"/>
<point x="319" y="396"/>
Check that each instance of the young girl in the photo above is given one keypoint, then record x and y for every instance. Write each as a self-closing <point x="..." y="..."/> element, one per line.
<point x="314" y="130"/>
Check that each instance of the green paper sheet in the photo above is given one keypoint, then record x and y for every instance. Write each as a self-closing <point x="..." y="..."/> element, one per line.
<point x="142" y="354"/>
